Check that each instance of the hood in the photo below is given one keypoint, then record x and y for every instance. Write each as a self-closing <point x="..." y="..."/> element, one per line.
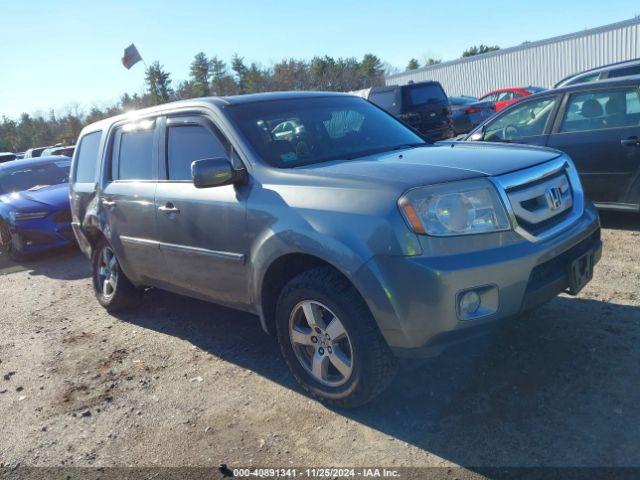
<point x="49" y="198"/>
<point x="438" y="163"/>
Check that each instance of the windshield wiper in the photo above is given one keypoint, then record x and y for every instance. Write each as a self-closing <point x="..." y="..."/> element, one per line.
<point x="409" y="145"/>
<point x="402" y="146"/>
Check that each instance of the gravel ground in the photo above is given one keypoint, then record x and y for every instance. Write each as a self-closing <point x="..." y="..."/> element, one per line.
<point x="180" y="382"/>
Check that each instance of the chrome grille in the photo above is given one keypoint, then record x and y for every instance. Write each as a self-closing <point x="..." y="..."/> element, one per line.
<point x="544" y="199"/>
<point x="541" y="201"/>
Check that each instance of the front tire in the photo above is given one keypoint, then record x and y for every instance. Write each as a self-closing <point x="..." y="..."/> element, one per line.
<point x="330" y="340"/>
<point x="112" y="288"/>
<point x="7" y="244"/>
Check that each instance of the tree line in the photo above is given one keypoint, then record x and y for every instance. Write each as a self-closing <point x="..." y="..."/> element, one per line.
<point x="207" y="76"/>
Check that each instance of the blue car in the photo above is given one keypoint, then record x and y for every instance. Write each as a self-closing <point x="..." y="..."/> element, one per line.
<point x="34" y="205"/>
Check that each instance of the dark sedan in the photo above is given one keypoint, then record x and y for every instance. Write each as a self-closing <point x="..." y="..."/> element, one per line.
<point x="597" y="124"/>
<point x="468" y="112"/>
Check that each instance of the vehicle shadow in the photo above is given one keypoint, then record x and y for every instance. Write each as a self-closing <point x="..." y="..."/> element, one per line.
<point x="554" y="387"/>
<point x="65" y="264"/>
<point x="620" y="220"/>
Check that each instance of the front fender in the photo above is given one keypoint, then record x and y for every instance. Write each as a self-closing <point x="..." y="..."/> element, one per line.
<point x="273" y="245"/>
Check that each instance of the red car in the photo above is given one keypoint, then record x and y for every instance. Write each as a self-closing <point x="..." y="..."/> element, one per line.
<point x="506" y="96"/>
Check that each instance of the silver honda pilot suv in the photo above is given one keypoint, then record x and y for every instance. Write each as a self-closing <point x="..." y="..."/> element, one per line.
<point x="352" y="238"/>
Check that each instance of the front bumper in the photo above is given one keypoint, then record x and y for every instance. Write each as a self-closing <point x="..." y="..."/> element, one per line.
<point x="31" y="236"/>
<point x="414" y="299"/>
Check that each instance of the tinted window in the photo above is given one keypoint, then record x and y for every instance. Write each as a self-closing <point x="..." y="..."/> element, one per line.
<point x="624" y="72"/>
<point x="423" y="94"/>
<point x="601" y="109"/>
<point x="135" y="161"/>
<point x="584" y="79"/>
<point x="27" y="177"/>
<point x="526" y="120"/>
<point x="87" y="158"/>
<point x="327" y="128"/>
<point x="385" y="99"/>
<point x="187" y="143"/>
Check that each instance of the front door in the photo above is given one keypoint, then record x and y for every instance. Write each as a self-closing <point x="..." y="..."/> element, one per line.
<point x="526" y="122"/>
<point x="127" y="200"/>
<point x="203" y="231"/>
<point x="600" y="131"/>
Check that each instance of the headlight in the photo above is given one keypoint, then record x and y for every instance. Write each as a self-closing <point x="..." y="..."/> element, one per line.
<point x="457" y="208"/>
<point x="17" y="216"/>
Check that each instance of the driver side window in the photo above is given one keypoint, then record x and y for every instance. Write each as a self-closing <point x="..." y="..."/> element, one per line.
<point x="526" y="120"/>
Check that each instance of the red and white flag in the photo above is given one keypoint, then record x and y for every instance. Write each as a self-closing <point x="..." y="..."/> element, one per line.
<point x="131" y="56"/>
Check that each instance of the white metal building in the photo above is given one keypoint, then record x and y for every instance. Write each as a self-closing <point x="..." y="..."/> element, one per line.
<point x="541" y="63"/>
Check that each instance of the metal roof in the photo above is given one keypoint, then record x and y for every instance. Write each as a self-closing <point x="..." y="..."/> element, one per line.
<point x="522" y="47"/>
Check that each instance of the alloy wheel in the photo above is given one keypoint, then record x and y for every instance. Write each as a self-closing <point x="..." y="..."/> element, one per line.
<point x="107" y="272"/>
<point x="321" y="343"/>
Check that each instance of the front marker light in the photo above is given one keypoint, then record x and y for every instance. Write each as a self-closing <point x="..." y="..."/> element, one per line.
<point x="457" y="208"/>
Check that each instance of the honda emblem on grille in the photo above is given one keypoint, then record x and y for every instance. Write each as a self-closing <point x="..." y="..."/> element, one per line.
<point x="553" y="196"/>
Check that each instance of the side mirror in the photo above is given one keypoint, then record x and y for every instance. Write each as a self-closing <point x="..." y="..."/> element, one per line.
<point x="477" y="136"/>
<point x="214" y="172"/>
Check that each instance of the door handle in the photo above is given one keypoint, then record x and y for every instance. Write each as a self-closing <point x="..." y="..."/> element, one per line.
<point x="169" y="208"/>
<point x="630" y="142"/>
<point x="108" y="203"/>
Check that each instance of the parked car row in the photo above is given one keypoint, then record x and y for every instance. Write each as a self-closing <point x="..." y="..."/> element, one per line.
<point x="426" y="108"/>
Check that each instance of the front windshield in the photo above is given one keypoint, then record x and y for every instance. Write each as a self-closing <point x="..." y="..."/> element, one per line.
<point x="27" y="177"/>
<point x="304" y="131"/>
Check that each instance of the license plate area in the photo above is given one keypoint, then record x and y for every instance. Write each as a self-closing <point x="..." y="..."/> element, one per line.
<point x="580" y="272"/>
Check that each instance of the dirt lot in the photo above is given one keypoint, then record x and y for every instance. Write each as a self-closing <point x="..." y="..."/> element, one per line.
<point x="182" y="382"/>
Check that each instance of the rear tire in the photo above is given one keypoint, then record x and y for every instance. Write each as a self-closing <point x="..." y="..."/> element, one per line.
<point x="112" y="288"/>
<point x="342" y="364"/>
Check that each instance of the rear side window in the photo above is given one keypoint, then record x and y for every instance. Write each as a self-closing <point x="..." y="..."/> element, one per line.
<point x="602" y="109"/>
<point x="625" y="72"/>
<point x="584" y="79"/>
<point x="133" y="154"/>
<point x="424" y="94"/>
<point x="385" y="99"/>
<point x="187" y="143"/>
<point x="87" y="158"/>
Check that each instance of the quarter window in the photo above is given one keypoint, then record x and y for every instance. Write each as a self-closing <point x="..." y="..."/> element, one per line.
<point x="602" y="109"/>
<point x="87" y="158"/>
<point x="528" y="119"/>
<point x="187" y="143"/>
<point x="135" y="153"/>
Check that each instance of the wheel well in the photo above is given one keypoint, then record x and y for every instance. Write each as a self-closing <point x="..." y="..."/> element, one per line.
<point x="278" y="275"/>
<point x="93" y="236"/>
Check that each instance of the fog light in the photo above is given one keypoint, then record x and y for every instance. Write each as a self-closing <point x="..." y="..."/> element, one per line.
<point x="469" y="303"/>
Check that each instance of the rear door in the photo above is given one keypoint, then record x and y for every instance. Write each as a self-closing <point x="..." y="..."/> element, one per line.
<point x="127" y="199"/>
<point x="600" y="129"/>
<point x="203" y="234"/>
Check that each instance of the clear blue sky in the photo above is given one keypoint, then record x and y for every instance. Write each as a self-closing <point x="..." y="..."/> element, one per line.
<point x="63" y="54"/>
